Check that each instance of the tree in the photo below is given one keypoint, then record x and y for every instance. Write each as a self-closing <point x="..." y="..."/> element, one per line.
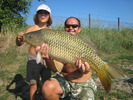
<point x="14" y="11"/>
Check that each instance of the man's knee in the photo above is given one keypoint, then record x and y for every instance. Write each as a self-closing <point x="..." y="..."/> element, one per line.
<point x="48" y="86"/>
<point x="51" y="87"/>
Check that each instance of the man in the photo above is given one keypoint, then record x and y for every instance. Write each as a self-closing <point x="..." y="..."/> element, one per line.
<point x="74" y="82"/>
<point x="42" y="20"/>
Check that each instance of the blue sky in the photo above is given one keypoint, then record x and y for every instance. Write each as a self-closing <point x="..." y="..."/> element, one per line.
<point x="108" y="10"/>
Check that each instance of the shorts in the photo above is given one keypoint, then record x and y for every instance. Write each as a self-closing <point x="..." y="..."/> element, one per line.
<point x="35" y="71"/>
<point x="76" y="91"/>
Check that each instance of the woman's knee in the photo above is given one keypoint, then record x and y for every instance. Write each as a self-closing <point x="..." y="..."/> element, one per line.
<point x="33" y="87"/>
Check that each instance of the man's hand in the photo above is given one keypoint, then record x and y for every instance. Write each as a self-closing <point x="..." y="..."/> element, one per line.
<point x="83" y="67"/>
<point x="43" y="49"/>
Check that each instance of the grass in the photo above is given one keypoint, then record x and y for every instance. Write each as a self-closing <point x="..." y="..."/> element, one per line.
<point x="115" y="47"/>
<point x="114" y="95"/>
<point x="111" y="40"/>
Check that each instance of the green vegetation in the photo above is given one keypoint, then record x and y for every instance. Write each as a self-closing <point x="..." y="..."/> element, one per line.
<point x="115" y="47"/>
<point x="114" y="95"/>
<point x="14" y="11"/>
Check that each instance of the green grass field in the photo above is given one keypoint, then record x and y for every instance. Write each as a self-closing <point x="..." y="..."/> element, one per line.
<point x="114" y="47"/>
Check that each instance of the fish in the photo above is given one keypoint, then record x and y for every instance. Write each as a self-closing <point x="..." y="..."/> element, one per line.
<point x="67" y="48"/>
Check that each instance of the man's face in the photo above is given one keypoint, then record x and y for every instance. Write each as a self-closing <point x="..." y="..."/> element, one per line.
<point x="72" y="26"/>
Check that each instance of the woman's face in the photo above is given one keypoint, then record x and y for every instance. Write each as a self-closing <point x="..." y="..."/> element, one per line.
<point x="43" y="16"/>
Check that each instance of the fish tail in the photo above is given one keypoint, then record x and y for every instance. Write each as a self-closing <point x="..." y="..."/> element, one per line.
<point x="116" y="73"/>
<point x="105" y="80"/>
<point x="110" y="72"/>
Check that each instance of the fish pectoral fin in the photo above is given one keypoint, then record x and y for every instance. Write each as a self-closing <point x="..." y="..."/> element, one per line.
<point x="44" y="63"/>
<point x="38" y="58"/>
<point x="59" y="65"/>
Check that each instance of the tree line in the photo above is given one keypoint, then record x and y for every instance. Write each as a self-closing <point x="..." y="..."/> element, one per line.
<point x="14" y="11"/>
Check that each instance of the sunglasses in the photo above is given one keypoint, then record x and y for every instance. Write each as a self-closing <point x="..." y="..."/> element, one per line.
<point x="42" y="12"/>
<point x="71" y="25"/>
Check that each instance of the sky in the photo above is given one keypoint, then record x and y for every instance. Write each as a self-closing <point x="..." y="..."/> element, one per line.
<point x="108" y="10"/>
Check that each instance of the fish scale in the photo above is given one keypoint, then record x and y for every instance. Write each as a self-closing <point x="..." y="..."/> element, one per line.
<point x="68" y="48"/>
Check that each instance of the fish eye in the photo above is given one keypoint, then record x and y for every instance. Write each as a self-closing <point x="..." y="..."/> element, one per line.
<point x="30" y="36"/>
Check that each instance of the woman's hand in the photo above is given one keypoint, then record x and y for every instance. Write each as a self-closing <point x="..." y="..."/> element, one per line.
<point x="20" y="39"/>
<point x="83" y="67"/>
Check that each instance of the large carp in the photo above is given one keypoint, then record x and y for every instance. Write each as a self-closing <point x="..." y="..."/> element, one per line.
<point x="68" y="48"/>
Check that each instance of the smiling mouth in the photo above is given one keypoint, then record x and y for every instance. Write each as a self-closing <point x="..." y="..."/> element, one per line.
<point x="42" y="18"/>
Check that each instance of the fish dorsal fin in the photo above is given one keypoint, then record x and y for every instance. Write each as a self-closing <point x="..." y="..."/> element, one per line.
<point x="59" y="65"/>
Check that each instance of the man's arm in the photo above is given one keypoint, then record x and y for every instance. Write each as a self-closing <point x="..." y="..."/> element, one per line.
<point x="44" y="49"/>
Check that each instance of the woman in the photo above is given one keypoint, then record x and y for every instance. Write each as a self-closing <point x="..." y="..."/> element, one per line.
<point x="42" y="19"/>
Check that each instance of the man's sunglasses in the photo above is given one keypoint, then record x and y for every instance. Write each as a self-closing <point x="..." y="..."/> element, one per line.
<point x="71" y="25"/>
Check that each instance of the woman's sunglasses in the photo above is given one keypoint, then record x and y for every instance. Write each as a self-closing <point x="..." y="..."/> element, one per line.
<point x="42" y="12"/>
<point x="71" y="25"/>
